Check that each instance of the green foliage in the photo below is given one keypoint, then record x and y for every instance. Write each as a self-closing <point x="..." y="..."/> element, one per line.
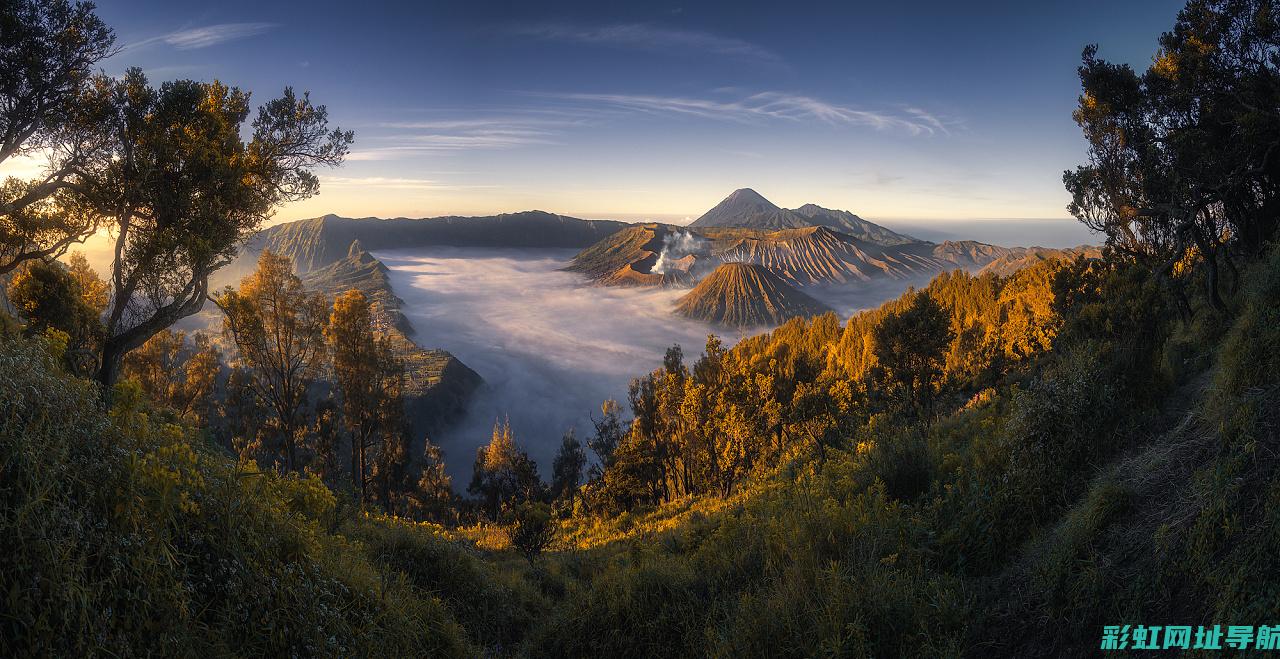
<point x="503" y="475"/>
<point x="568" y="467"/>
<point x="49" y="297"/>
<point x="51" y="113"/>
<point x="531" y="529"/>
<point x="494" y="603"/>
<point x="120" y="534"/>
<point x="902" y="461"/>
<point x="909" y="347"/>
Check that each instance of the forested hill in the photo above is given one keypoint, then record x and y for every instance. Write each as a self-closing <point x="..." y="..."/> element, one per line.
<point x="317" y="242"/>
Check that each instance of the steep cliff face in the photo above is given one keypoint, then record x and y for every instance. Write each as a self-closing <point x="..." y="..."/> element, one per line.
<point x="746" y="295"/>
<point x="437" y="385"/>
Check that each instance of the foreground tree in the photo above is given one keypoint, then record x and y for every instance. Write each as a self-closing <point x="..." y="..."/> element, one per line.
<point x="609" y="430"/>
<point x="50" y="109"/>
<point x="503" y="475"/>
<point x="278" y="330"/>
<point x="178" y="373"/>
<point x="93" y="289"/>
<point x="50" y="297"/>
<point x="185" y="190"/>
<point x="531" y="529"/>
<point x="370" y="384"/>
<point x="433" y="497"/>
<point x="1184" y="159"/>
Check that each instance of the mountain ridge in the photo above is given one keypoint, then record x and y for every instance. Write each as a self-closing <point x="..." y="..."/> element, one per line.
<point x="746" y="208"/>
<point x="438" y="385"/>
<point x="319" y="241"/>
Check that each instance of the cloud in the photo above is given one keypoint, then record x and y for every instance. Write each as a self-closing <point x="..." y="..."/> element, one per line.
<point x="408" y="146"/>
<point x="453" y="135"/>
<point x="25" y="166"/>
<point x="550" y="346"/>
<point x="765" y="106"/>
<point x="395" y="183"/>
<point x="206" y="36"/>
<point x="649" y="37"/>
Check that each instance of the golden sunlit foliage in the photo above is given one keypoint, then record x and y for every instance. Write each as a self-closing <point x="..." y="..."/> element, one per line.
<point x="277" y="328"/>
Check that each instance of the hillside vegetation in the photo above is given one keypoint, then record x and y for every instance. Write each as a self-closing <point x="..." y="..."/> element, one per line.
<point x="1037" y="499"/>
<point x="998" y="464"/>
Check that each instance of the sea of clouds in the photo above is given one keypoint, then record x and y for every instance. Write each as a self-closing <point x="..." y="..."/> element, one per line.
<point x="550" y="346"/>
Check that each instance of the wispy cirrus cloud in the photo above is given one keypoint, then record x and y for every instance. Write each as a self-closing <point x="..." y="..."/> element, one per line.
<point x="644" y="36"/>
<point x="413" y="138"/>
<point x="524" y="124"/>
<point x="395" y="183"/>
<point x="205" y="36"/>
<point x="765" y="106"/>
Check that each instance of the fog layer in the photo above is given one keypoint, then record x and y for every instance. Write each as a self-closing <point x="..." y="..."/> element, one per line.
<point x="549" y="347"/>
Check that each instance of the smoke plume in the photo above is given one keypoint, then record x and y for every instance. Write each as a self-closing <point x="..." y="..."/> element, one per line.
<point x="677" y="245"/>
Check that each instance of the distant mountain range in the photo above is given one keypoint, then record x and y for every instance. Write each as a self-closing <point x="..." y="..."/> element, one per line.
<point x="807" y="246"/>
<point x="320" y="241"/>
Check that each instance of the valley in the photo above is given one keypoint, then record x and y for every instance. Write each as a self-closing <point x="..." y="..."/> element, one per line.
<point x="538" y="318"/>
<point x="549" y="347"/>
<point x="412" y="330"/>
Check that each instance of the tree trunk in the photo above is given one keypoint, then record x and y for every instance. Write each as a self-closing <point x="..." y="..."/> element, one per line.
<point x="1214" y="298"/>
<point x="355" y="461"/>
<point x="364" y="480"/>
<point x="109" y="371"/>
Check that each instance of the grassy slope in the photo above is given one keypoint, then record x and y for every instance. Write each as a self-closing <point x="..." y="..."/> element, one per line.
<point x="1049" y="510"/>
<point x="125" y="534"/>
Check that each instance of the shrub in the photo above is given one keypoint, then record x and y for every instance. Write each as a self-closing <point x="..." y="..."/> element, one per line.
<point x="121" y="535"/>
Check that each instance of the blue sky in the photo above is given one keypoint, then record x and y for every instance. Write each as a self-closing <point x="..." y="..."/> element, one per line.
<point x="900" y="110"/>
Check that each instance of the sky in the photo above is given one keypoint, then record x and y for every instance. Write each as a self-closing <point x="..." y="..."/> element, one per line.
<point x="657" y="110"/>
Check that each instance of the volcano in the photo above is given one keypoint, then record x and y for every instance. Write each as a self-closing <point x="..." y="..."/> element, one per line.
<point x="628" y="258"/>
<point x="746" y="295"/>
<point x="747" y="209"/>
